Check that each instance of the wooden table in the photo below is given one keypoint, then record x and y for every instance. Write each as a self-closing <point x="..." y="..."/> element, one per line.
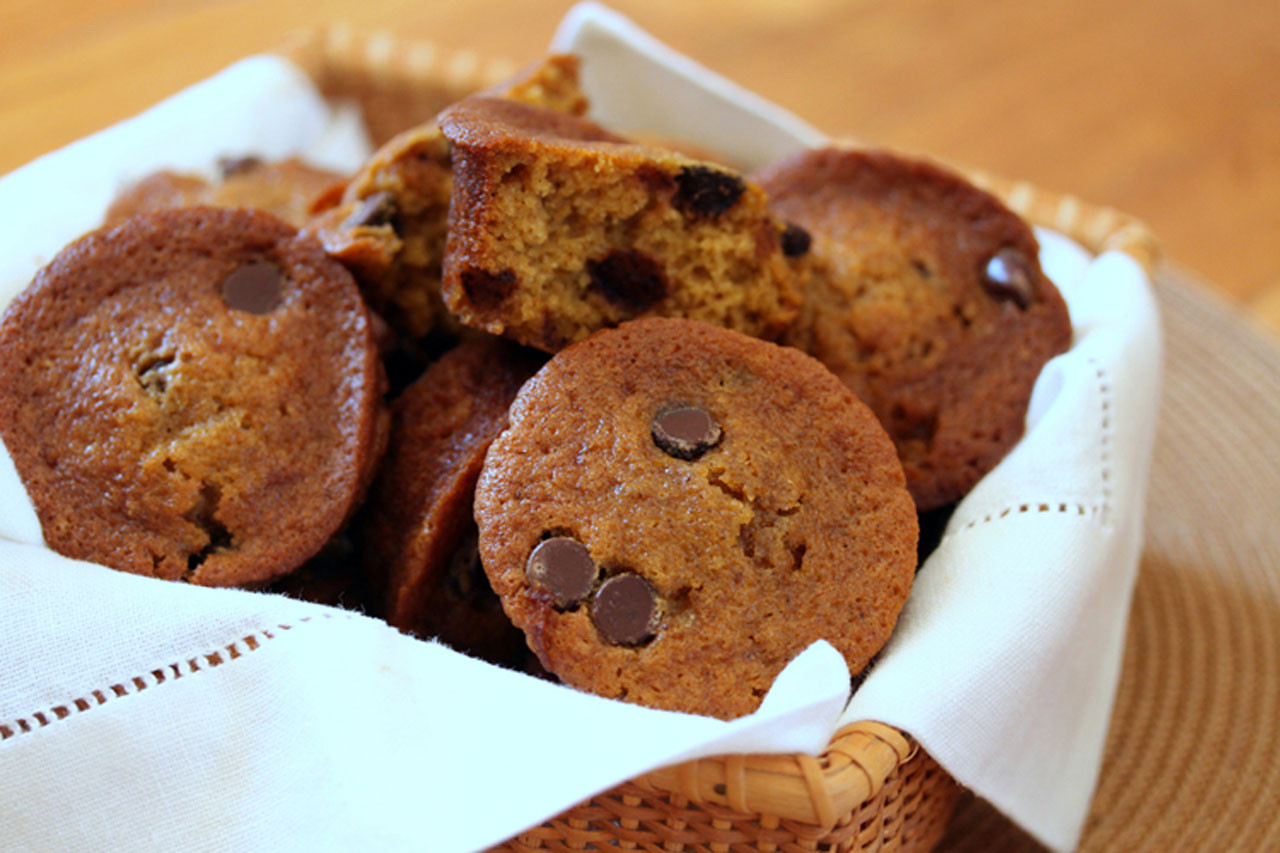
<point x="1167" y="110"/>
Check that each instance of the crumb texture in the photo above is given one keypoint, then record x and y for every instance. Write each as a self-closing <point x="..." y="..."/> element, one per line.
<point x="586" y="230"/>
<point x="390" y="225"/>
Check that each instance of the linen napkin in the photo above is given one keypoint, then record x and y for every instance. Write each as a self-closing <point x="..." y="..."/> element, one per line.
<point x="137" y="713"/>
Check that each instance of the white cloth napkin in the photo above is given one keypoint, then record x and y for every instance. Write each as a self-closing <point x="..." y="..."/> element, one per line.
<point x="139" y="714"/>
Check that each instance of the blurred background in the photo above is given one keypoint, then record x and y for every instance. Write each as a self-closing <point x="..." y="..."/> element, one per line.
<point x="1167" y="110"/>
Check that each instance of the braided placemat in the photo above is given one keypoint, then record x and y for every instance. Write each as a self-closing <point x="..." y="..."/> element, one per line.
<point x="1193" y="753"/>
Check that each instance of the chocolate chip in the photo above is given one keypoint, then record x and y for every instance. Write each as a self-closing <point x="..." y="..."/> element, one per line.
<point x="685" y="432"/>
<point x="563" y="567"/>
<point x="377" y="209"/>
<point x="706" y="192"/>
<point x="629" y="278"/>
<point x="795" y="241"/>
<point x="1010" y="275"/>
<point x="625" y="610"/>
<point x="228" y="166"/>
<point x="487" y="290"/>
<point x="256" y="287"/>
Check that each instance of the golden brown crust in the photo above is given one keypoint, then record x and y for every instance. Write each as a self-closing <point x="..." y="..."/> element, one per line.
<point x="417" y="526"/>
<point x="159" y="430"/>
<point x="287" y="188"/>
<point x="795" y="526"/>
<point x="558" y="228"/>
<point x="897" y="308"/>
<point x="158" y="191"/>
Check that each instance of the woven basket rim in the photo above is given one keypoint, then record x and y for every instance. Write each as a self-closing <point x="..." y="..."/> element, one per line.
<point x="814" y="790"/>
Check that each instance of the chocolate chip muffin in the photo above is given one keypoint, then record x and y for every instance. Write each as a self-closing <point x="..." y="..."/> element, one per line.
<point x="193" y="394"/>
<point x="558" y="227"/>
<point x="389" y="227"/>
<point x="926" y="298"/>
<point x="419" y="535"/>
<point x="287" y="188"/>
<point x="677" y="510"/>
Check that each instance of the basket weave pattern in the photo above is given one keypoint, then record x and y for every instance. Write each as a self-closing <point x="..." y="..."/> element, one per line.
<point x="909" y="811"/>
<point x="872" y="789"/>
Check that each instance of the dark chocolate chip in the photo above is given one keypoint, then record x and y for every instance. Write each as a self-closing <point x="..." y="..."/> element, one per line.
<point x="685" y="432"/>
<point x="377" y="209"/>
<point x="229" y="166"/>
<point x="629" y="279"/>
<point x="1010" y="275"/>
<point x="795" y="241"/>
<point x="706" y="192"/>
<point x="625" y="610"/>
<point x="563" y="567"/>
<point x="487" y="290"/>
<point x="256" y="287"/>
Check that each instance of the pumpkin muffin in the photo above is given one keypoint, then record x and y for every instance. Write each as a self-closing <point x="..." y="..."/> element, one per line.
<point x="193" y="394"/>
<point x="558" y="227"/>
<point x="677" y="510"/>
<point x="926" y="297"/>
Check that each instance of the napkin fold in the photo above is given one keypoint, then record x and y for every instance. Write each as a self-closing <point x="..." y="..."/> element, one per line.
<point x="136" y="713"/>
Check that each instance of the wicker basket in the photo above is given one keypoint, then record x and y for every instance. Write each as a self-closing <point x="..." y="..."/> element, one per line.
<point x="873" y="789"/>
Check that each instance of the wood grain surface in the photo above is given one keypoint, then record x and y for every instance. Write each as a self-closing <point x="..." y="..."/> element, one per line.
<point x="1167" y="110"/>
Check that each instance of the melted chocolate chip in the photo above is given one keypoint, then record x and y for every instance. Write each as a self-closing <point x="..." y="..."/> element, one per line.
<point x="625" y="610"/>
<point x="706" y="192"/>
<point x="629" y="279"/>
<point x="377" y="209"/>
<point x="1010" y="275"/>
<point x="228" y="166"/>
<point x="256" y="288"/>
<point x="563" y="567"/>
<point x="487" y="290"/>
<point x="795" y="241"/>
<point x="685" y="432"/>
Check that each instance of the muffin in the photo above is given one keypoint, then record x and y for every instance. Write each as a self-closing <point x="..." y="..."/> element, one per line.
<point x="193" y="394"/>
<point x="417" y="528"/>
<point x="926" y="297"/>
<point x="558" y="227"/>
<point x="677" y="510"/>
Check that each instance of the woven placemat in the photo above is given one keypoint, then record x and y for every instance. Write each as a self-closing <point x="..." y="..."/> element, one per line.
<point x="1193" y="754"/>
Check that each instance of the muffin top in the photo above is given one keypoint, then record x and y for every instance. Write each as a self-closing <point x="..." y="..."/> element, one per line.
<point x="677" y="510"/>
<point x="926" y="297"/>
<point x="193" y="394"/>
